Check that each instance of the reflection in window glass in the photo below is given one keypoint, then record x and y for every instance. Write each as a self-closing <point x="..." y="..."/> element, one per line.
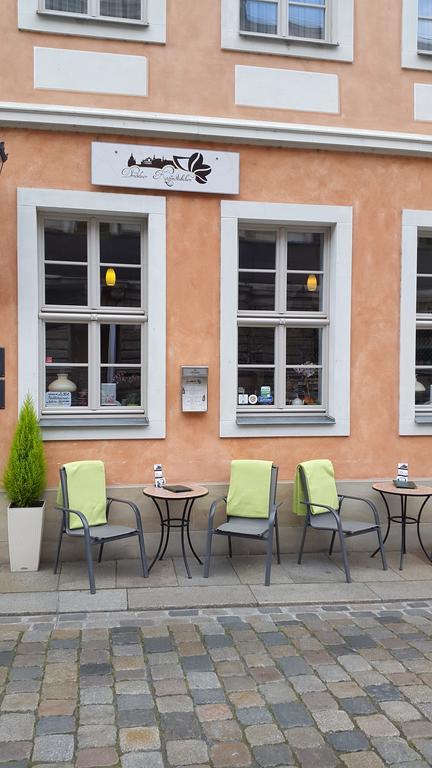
<point x="305" y="265"/>
<point x="126" y="292"/>
<point x="65" y="284"/>
<point x="424" y="38"/>
<point x="65" y="240"/>
<point x="66" y="343"/>
<point x="120" y="386"/>
<point x="304" y="366"/>
<point x="120" y="344"/>
<point x="259" y="16"/>
<point x="120" y="243"/>
<point x="122" y="9"/>
<point x="255" y="345"/>
<point x="67" y="6"/>
<point x="255" y="386"/>
<point x="66" y="387"/>
<point x="305" y="21"/>
<point x="425" y="7"/>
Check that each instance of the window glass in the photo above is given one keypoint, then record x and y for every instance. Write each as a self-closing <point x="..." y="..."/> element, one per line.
<point x="304" y="366"/>
<point x="120" y="243"/>
<point x="259" y="16"/>
<point x="67" y="6"/>
<point x="123" y="289"/>
<point x="120" y="387"/>
<point x="424" y="275"/>
<point x="306" y="21"/>
<point x="424" y="40"/>
<point x="257" y="261"/>
<point x="65" y="240"/>
<point x="120" y="344"/>
<point x="66" y="343"/>
<point x="255" y="345"/>
<point x="65" y="284"/>
<point x="425" y="7"/>
<point x="123" y="9"/>
<point x="66" y="386"/>
<point x="255" y="386"/>
<point x="305" y="269"/>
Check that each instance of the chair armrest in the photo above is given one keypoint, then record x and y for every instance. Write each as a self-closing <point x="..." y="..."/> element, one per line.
<point x="82" y="517"/>
<point x="323" y="506"/>
<point x="130" y="504"/>
<point x="212" y="511"/>
<point x="365" y="501"/>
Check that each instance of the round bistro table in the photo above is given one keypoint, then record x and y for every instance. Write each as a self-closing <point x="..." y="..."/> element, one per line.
<point x="421" y="492"/>
<point x="159" y="495"/>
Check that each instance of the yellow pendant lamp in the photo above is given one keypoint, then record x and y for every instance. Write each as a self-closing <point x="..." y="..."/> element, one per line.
<point x="311" y="283"/>
<point x="110" y="277"/>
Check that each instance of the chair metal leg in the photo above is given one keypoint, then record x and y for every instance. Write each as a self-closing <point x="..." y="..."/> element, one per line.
<point x="269" y="557"/>
<point x="100" y="552"/>
<point x="332" y="543"/>
<point x="305" y="527"/>
<point x="143" y="554"/>
<point x="381" y="548"/>
<point x="90" y="569"/>
<point x="277" y="539"/>
<point x="344" y="556"/>
<point x="208" y="553"/>
<point x="229" y="546"/>
<point x="58" y="549"/>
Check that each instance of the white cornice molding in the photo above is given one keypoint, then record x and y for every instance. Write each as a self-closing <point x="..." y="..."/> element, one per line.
<point x="209" y="129"/>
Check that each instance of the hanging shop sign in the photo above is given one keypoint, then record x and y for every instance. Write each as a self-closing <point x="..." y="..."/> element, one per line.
<point x="165" y="168"/>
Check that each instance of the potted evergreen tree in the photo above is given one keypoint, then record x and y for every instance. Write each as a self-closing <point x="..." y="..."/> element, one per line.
<point x="24" y="483"/>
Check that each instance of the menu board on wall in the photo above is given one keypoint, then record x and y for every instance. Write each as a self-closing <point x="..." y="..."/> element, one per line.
<point x="165" y="168"/>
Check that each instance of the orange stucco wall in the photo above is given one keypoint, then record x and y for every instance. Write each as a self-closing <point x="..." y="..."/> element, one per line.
<point x="192" y="75"/>
<point x="378" y="188"/>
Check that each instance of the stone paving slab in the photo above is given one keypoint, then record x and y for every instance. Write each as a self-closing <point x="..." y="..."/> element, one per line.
<point x="219" y="687"/>
<point x="190" y="597"/>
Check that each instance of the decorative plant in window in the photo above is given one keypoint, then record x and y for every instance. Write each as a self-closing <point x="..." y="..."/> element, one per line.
<point x="306" y="372"/>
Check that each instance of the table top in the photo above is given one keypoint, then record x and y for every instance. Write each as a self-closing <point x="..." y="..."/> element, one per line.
<point x="421" y="490"/>
<point x="161" y="493"/>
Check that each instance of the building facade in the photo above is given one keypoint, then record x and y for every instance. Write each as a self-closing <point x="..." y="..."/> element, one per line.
<point x="237" y="186"/>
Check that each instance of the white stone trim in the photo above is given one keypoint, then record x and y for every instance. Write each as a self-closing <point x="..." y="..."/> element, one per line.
<point x="202" y="128"/>
<point x="412" y="221"/>
<point x="90" y="72"/>
<point x="286" y="89"/>
<point x="30" y="201"/>
<point x="152" y="32"/>
<point x="339" y="218"/>
<point x="339" y="46"/>
<point x="410" y="57"/>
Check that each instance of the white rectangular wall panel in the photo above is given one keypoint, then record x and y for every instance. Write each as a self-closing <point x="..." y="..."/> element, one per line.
<point x="87" y="71"/>
<point x="422" y="101"/>
<point x="166" y="168"/>
<point x="286" y="89"/>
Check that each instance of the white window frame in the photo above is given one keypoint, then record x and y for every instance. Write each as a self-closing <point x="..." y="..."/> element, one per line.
<point x="412" y="421"/>
<point x="338" y="220"/>
<point x="94" y="14"/>
<point x="149" y="209"/>
<point x="32" y="15"/>
<point x="338" y="44"/>
<point x="412" y="57"/>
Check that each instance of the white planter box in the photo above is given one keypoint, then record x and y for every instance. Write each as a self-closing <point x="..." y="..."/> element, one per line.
<point x="25" y="525"/>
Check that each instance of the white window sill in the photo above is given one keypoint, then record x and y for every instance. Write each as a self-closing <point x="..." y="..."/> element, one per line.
<point x="423" y="418"/>
<point x="48" y="422"/>
<point x="280" y="419"/>
<point x="289" y="40"/>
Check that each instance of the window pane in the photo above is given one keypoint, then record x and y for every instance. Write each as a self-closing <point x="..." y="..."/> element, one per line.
<point x="123" y="9"/>
<point x="67" y="6"/>
<point x="120" y="344"/>
<point x="424" y="256"/>
<point x="66" y="387"/>
<point x="424" y="347"/>
<point x="255" y="345"/>
<point x="65" y="284"/>
<point x="306" y="22"/>
<point x="120" y="243"/>
<point x="304" y="251"/>
<point x="65" y="240"/>
<point x="66" y="343"/>
<point x="423" y="387"/>
<point x="256" y="291"/>
<point x="304" y="387"/>
<point x="303" y="293"/>
<point x="120" y="386"/>
<point x="424" y="40"/>
<point x="425" y="7"/>
<point x="259" y="16"/>
<point x="255" y="387"/>
<point x="424" y="294"/>
<point x="257" y="250"/>
<point x="127" y="289"/>
<point x="303" y="346"/>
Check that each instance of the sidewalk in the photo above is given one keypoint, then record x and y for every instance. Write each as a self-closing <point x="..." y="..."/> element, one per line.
<point x="237" y="582"/>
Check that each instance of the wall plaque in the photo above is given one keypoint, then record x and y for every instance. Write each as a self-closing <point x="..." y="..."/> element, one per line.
<point x="165" y="168"/>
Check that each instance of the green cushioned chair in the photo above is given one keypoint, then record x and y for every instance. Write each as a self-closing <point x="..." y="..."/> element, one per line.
<point x="251" y="509"/>
<point x="85" y="508"/>
<point x="316" y="497"/>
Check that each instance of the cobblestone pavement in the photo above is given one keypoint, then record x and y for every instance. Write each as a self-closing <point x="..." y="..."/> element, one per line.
<point x="308" y="686"/>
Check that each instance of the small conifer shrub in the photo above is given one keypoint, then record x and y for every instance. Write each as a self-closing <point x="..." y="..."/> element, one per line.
<point x="25" y="475"/>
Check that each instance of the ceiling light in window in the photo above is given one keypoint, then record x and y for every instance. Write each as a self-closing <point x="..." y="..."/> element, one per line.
<point x="311" y="283"/>
<point x="110" y="277"/>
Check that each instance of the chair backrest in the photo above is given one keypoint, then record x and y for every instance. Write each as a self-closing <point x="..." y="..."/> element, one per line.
<point x="82" y="487"/>
<point x="318" y="485"/>
<point x="252" y="489"/>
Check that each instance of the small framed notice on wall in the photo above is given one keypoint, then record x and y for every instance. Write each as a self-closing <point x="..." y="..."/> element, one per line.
<point x="194" y="381"/>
